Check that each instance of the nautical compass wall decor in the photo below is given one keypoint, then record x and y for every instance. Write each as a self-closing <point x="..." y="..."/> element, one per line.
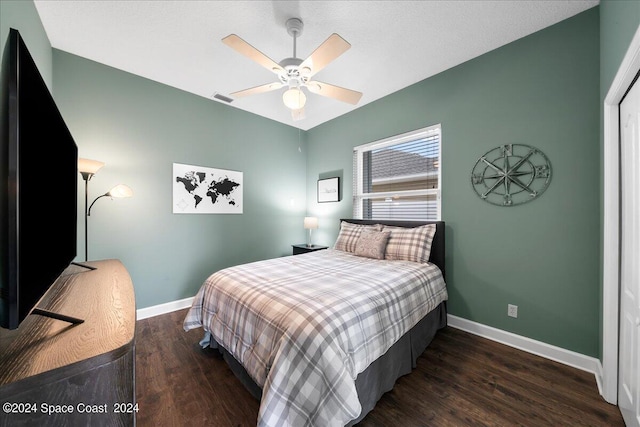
<point x="511" y="174"/>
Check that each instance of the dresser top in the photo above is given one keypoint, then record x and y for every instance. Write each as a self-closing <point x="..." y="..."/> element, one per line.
<point x="104" y="298"/>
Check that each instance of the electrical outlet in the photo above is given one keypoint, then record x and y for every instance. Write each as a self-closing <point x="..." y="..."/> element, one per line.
<point x="512" y="310"/>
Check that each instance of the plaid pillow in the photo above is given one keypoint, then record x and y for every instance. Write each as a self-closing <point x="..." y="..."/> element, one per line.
<point x="410" y="244"/>
<point x="349" y="235"/>
<point x="372" y="244"/>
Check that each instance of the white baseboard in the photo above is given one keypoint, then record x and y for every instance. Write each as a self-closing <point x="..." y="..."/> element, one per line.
<point x="159" y="309"/>
<point x="600" y="381"/>
<point x="548" y="351"/>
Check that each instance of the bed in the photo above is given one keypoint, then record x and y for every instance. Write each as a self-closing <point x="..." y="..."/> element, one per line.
<point x="319" y="337"/>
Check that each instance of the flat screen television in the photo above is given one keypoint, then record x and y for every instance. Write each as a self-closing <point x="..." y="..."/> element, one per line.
<point x="39" y="179"/>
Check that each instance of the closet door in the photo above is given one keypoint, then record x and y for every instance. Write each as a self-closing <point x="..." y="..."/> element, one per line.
<point x="629" y="350"/>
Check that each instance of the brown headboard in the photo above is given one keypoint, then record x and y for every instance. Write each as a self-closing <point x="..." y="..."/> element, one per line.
<point x="437" y="246"/>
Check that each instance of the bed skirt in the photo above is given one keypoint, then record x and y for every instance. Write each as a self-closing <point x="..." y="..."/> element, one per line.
<point x="382" y="374"/>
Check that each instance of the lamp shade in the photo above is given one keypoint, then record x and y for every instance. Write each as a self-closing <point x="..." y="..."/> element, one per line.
<point x="294" y="98"/>
<point x="89" y="166"/>
<point x="120" y="190"/>
<point x="310" y="222"/>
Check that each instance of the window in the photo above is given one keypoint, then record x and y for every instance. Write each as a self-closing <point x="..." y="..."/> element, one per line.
<point x="398" y="177"/>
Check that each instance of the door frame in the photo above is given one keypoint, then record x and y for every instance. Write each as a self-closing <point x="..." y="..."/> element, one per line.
<point x="611" y="222"/>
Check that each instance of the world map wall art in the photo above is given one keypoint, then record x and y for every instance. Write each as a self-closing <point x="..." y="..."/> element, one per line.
<point x="197" y="189"/>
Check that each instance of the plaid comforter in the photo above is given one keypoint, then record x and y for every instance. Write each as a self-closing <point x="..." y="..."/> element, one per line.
<point x="305" y="326"/>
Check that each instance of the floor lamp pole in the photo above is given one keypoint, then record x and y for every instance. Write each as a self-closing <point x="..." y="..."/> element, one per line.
<point x="86" y="221"/>
<point x="87" y="176"/>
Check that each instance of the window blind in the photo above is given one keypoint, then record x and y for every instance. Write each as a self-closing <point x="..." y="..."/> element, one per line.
<point x="399" y="177"/>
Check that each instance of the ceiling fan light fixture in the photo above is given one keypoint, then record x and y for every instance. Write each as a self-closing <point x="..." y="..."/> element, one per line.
<point x="294" y="98"/>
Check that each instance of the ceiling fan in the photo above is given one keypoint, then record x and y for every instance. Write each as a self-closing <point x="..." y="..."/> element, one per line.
<point x="295" y="73"/>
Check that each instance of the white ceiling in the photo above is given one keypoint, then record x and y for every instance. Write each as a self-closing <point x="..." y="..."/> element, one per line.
<point x="393" y="43"/>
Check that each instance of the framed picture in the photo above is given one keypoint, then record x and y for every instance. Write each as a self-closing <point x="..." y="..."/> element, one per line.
<point x="203" y="190"/>
<point x="329" y="190"/>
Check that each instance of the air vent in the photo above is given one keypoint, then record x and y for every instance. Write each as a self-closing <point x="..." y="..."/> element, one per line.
<point x="222" y="98"/>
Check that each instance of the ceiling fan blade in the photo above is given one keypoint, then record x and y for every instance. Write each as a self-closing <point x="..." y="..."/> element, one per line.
<point x="336" y="92"/>
<point x="329" y="50"/>
<point x="255" y="90"/>
<point x="241" y="46"/>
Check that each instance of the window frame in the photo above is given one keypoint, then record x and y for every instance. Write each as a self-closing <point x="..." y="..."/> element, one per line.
<point x="359" y="196"/>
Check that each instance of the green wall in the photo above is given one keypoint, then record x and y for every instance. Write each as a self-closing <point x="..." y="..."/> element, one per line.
<point x="543" y="256"/>
<point x="619" y="21"/>
<point x="23" y="16"/>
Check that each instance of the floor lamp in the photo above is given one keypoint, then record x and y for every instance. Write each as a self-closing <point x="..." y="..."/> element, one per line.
<point x="87" y="169"/>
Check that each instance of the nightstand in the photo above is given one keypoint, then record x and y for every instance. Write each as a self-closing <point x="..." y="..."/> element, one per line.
<point x="303" y="248"/>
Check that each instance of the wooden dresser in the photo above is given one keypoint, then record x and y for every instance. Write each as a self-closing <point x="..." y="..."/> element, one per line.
<point x="53" y="373"/>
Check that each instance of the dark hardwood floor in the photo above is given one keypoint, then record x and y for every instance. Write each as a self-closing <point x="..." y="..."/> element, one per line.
<point x="460" y="380"/>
